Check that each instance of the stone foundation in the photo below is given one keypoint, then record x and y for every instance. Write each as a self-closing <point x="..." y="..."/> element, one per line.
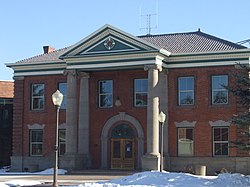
<point x="213" y="165"/>
<point x="150" y="163"/>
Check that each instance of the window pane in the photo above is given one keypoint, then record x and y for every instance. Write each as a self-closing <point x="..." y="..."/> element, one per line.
<point x="141" y="85"/>
<point x="141" y="99"/>
<point x="36" y="142"/>
<point x="220" y="137"/>
<point x="185" y="142"/>
<point x="36" y="149"/>
<point x="106" y="101"/>
<point x="219" y="81"/>
<point x="219" y="93"/>
<point x="37" y="97"/>
<point x="62" y="141"/>
<point x="186" y="98"/>
<point x="128" y="149"/>
<point x="37" y="136"/>
<point x="63" y="90"/>
<point x="105" y="87"/>
<point x="62" y="149"/>
<point x="38" y="89"/>
<point x="221" y="149"/>
<point x="224" y="134"/>
<point x="140" y="92"/>
<point x="116" y="149"/>
<point x="217" y="134"/>
<point x="220" y="97"/>
<point x="62" y="136"/>
<point x="106" y="93"/>
<point x="190" y="83"/>
<point x="186" y="90"/>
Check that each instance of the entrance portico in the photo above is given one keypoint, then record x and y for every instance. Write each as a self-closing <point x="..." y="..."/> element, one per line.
<point x="81" y="62"/>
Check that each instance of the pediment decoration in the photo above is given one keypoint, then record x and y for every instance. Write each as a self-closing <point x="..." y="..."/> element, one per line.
<point x="108" y="40"/>
<point x="185" y="123"/>
<point x="36" y="126"/>
<point x="219" y="123"/>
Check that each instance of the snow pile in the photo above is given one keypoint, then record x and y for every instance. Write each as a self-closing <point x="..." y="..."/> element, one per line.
<point x="50" y="172"/>
<point x="166" y="179"/>
<point x="19" y="183"/>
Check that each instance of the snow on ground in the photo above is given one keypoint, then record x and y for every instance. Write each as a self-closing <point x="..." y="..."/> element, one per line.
<point x="170" y="179"/>
<point x="148" y="179"/>
<point x="5" y="171"/>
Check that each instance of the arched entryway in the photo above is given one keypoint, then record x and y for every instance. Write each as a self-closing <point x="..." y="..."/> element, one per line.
<point x="122" y="118"/>
<point x="122" y="147"/>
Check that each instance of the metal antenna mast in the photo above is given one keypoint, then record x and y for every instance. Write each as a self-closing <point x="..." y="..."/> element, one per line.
<point x="148" y="17"/>
<point x="244" y="42"/>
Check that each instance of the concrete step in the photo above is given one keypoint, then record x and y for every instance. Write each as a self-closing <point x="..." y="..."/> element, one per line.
<point x="103" y="172"/>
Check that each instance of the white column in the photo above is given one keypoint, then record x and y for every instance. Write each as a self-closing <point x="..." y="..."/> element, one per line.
<point x="153" y="111"/>
<point x="151" y="160"/>
<point x="71" y="113"/>
<point x="83" y="129"/>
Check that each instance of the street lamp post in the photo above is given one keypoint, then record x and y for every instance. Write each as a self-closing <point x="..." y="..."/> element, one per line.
<point x="57" y="98"/>
<point x="162" y="118"/>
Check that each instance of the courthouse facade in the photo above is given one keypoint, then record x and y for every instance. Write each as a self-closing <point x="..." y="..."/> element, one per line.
<point x="114" y="86"/>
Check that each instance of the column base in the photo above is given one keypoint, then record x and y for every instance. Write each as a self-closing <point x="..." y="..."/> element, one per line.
<point x="75" y="162"/>
<point x="16" y="163"/>
<point x="151" y="162"/>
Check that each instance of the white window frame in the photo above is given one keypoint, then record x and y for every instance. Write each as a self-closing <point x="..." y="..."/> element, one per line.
<point x="35" y="143"/>
<point x="185" y="91"/>
<point x="37" y="97"/>
<point x="105" y="94"/>
<point x="220" y="142"/>
<point x="135" y="92"/>
<point x="219" y="89"/>
<point x="191" y="143"/>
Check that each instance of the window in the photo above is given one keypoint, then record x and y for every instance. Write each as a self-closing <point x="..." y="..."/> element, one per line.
<point x="105" y="94"/>
<point x="37" y="97"/>
<point x="62" y="141"/>
<point x="62" y="86"/>
<point x="185" y="142"/>
<point x="140" y="92"/>
<point x="219" y="93"/>
<point x="36" y="142"/>
<point x="186" y="90"/>
<point x="220" y="141"/>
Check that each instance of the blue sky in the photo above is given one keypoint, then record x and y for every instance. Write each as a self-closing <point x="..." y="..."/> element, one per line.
<point x="27" y="25"/>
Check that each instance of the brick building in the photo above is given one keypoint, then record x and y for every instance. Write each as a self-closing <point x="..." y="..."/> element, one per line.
<point x="114" y="85"/>
<point x="6" y="110"/>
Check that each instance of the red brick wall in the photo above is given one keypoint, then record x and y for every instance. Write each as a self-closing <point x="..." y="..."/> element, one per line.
<point x="202" y="112"/>
<point x="45" y="117"/>
<point x="123" y="82"/>
<point x="17" y="135"/>
<point x="6" y="89"/>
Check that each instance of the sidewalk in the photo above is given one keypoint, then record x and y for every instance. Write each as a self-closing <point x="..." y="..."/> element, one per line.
<point x="74" y="178"/>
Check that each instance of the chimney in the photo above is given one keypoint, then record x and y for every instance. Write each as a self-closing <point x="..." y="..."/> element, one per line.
<point x="48" y="49"/>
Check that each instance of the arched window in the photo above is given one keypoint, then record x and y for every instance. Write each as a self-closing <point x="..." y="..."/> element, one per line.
<point x="122" y="131"/>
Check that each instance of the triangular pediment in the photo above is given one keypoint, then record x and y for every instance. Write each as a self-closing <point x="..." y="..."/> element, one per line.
<point x="108" y="41"/>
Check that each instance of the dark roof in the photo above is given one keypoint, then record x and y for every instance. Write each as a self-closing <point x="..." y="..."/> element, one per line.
<point x="47" y="57"/>
<point x="189" y="42"/>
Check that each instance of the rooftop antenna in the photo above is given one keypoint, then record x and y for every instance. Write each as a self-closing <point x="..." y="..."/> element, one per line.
<point x="148" y="25"/>
<point x="244" y="42"/>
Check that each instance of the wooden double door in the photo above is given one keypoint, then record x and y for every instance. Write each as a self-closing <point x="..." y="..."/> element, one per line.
<point x="122" y="153"/>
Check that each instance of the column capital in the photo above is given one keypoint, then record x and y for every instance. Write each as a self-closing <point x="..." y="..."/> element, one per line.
<point x="70" y="72"/>
<point x="83" y="75"/>
<point x="18" y="78"/>
<point x="153" y="67"/>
